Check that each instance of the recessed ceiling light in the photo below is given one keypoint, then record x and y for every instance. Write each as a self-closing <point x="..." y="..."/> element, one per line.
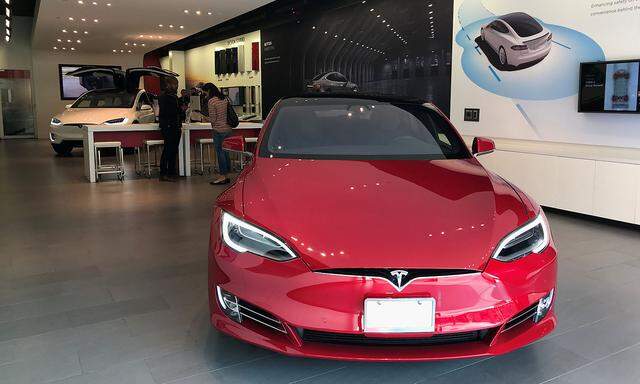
<point x="73" y="49"/>
<point x="64" y="31"/>
<point x="108" y="4"/>
<point x="86" y="32"/>
<point x="94" y="3"/>
<point x="74" y="31"/>
<point x="95" y="20"/>
<point x="70" y="18"/>
<point x="129" y="51"/>
<point x="126" y="43"/>
<point x="78" y="41"/>
<point x="160" y="25"/>
<point x="68" y="40"/>
<point x="122" y="50"/>
<point x="59" y="40"/>
<point x="170" y="25"/>
<point x="64" y="49"/>
<point x="182" y="27"/>
<point x="198" y="13"/>
<point x="371" y="10"/>
<point x="114" y="50"/>
<point x="83" y="19"/>
<point x="141" y="36"/>
<point x="186" y="11"/>
<point x="142" y="44"/>
<point x="209" y="13"/>
<point x="80" y="2"/>
<point x="55" y="48"/>
<point x="135" y="44"/>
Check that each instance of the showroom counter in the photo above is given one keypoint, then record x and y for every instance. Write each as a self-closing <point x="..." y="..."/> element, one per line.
<point x="134" y="135"/>
<point x="594" y="180"/>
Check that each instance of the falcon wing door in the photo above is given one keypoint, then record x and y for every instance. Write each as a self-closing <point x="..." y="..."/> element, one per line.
<point x="99" y="77"/>
<point x="134" y="74"/>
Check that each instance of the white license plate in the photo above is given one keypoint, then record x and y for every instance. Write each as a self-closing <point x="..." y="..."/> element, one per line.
<point x="410" y="315"/>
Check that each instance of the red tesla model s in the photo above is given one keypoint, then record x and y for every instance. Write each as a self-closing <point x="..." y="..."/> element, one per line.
<point x="364" y="229"/>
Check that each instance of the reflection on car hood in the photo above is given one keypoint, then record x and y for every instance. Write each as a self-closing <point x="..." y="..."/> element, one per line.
<point x="444" y="214"/>
<point x="92" y="115"/>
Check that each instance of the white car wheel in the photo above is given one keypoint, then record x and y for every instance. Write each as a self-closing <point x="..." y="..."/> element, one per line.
<point x="502" y="54"/>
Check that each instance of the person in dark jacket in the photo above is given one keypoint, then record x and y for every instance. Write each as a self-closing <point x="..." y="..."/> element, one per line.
<point x="170" y="125"/>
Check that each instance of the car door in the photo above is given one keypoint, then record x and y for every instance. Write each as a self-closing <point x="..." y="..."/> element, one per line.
<point x="133" y="76"/>
<point x="145" y="114"/>
<point x="499" y="36"/>
<point x="93" y="77"/>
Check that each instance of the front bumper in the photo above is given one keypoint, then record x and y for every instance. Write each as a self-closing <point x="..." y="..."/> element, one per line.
<point x="307" y="301"/>
<point x="65" y="133"/>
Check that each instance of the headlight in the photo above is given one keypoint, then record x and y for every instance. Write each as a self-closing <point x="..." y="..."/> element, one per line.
<point x="244" y="237"/>
<point x="120" y="120"/>
<point x="56" y="121"/>
<point x="532" y="237"/>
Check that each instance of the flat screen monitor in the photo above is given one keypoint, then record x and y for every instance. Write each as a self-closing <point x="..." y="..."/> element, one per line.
<point x="610" y="87"/>
<point x="236" y="95"/>
<point x="71" y="87"/>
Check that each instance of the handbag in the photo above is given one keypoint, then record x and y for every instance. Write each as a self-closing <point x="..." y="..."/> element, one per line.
<point x="232" y="116"/>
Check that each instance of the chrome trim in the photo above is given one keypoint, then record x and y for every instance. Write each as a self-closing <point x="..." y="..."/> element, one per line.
<point x="393" y="285"/>
<point x="260" y="321"/>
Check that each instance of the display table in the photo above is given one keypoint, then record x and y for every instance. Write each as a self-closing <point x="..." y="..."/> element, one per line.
<point x="194" y="131"/>
<point x="134" y="135"/>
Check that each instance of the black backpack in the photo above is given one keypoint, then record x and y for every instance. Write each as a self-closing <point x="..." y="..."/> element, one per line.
<point x="232" y="116"/>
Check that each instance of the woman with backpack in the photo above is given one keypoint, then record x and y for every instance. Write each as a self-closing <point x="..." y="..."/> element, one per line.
<point x="218" y="106"/>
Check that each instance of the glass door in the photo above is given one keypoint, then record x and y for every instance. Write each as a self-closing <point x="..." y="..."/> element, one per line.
<point x="16" y="104"/>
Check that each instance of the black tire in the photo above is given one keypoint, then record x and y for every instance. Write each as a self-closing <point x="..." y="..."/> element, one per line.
<point x="63" y="149"/>
<point x="506" y="59"/>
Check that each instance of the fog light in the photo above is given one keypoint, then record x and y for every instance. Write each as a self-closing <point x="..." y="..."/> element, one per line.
<point x="229" y="304"/>
<point x="543" y="307"/>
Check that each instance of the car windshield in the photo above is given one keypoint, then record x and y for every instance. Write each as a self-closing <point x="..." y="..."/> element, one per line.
<point x="359" y="129"/>
<point x="523" y="24"/>
<point x="111" y="99"/>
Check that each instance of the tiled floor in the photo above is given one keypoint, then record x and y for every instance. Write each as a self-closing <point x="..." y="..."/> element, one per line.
<point x="106" y="283"/>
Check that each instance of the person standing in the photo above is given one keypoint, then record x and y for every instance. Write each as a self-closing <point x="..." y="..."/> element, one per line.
<point x="217" y="108"/>
<point x="170" y="126"/>
<point x="183" y="101"/>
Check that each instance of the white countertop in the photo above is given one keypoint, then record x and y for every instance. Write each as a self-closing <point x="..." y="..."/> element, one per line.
<point x="155" y="127"/>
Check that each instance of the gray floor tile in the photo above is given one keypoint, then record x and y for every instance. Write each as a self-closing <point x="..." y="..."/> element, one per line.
<point x="116" y="310"/>
<point x="57" y="277"/>
<point x="42" y="369"/>
<point x="619" y="368"/>
<point x="33" y="326"/>
<point x="126" y="373"/>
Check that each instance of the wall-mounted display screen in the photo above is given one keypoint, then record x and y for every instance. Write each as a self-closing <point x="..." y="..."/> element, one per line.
<point x="610" y="87"/>
<point x="236" y="95"/>
<point x="72" y="87"/>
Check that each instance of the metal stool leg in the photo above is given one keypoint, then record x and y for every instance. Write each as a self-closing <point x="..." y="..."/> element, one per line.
<point x="148" y="163"/>
<point x="201" y="160"/>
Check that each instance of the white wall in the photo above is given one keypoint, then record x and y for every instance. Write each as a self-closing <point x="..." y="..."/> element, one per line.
<point x="17" y="54"/>
<point x="46" y="81"/>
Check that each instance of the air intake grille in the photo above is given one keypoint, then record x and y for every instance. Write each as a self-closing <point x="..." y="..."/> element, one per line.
<point x="260" y="316"/>
<point x="360" y="339"/>
<point x="521" y="317"/>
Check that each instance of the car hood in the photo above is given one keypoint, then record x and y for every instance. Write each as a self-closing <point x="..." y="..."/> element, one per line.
<point x="92" y="115"/>
<point x="444" y="214"/>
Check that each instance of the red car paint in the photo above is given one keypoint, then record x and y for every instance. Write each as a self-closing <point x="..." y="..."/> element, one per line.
<point x="441" y="214"/>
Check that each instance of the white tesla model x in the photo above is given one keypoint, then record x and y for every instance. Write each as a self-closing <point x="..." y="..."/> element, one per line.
<point x="517" y="38"/>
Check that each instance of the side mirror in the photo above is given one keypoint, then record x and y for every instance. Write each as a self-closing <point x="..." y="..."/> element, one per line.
<point x="146" y="107"/>
<point x="482" y="146"/>
<point x="68" y="106"/>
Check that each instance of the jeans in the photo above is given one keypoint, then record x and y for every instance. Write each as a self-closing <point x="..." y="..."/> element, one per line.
<point x="224" y="163"/>
<point x="171" y="136"/>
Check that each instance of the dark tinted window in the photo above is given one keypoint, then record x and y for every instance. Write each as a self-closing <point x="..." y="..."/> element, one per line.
<point x="498" y="26"/>
<point x="101" y="99"/>
<point x="523" y="24"/>
<point x="359" y="129"/>
<point x="319" y="76"/>
<point x="336" y="77"/>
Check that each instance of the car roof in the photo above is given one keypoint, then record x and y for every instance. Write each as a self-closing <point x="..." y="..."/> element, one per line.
<point x="112" y="90"/>
<point x="360" y="96"/>
<point x="516" y="17"/>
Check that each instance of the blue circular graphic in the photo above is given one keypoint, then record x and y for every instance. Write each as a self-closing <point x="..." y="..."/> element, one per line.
<point x="555" y="77"/>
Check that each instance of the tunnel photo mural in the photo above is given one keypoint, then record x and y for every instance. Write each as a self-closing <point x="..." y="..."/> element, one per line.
<point x="362" y="46"/>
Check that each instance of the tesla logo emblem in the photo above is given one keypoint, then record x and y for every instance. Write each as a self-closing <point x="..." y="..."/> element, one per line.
<point x="399" y="274"/>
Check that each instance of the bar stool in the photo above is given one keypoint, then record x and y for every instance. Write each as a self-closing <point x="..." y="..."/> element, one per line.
<point x="116" y="168"/>
<point x="201" y="144"/>
<point x="148" y="144"/>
